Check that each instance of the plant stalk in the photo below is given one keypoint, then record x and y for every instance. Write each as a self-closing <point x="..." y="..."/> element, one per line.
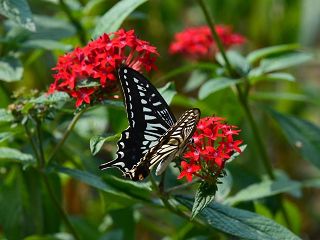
<point x="242" y="98"/>
<point x="41" y="167"/>
<point x="74" y="21"/>
<point x="59" y="207"/>
<point x="33" y="146"/>
<point x="41" y="152"/>
<point x="211" y="24"/>
<point x="65" y="135"/>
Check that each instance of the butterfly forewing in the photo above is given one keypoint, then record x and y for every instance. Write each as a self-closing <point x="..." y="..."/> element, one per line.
<point x="149" y="118"/>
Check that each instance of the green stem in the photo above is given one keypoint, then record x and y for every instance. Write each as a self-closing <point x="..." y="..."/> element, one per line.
<point x="256" y="133"/>
<point x="163" y="195"/>
<point x="211" y="24"/>
<point x="164" y="198"/>
<point x="182" y="186"/>
<point x="32" y="143"/>
<point x="65" y="135"/>
<point x="241" y="96"/>
<point x="41" y="167"/>
<point x="41" y="155"/>
<point x="58" y="206"/>
<point x="77" y="24"/>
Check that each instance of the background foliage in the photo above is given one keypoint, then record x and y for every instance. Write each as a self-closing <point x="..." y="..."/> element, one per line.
<point x="283" y="98"/>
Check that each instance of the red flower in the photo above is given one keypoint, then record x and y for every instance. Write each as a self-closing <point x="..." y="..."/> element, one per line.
<point x="90" y="72"/>
<point x="197" y="42"/>
<point x="188" y="169"/>
<point x="82" y="95"/>
<point x="213" y="146"/>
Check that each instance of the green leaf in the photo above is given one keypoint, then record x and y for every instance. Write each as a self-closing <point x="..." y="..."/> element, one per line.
<point x="112" y="20"/>
<point x="280" y="96"/>
<point x="51" y="28"/>
<point x="292" y="213"/>
<point x="11" y="69"/>
<point x="57" y="236"/>
<point x="54" y="98"/>
<point x="302" y="135"/>
<point x="86" y="177"/>
<point x="256" y="55"/>
<point x="15" y="155"/>
<point x="236" y="154"/>
<point x="12" y="202"/>
<point x="278" y="76"/>
<point x="224" y="186"/>
<point x="5" y="135"/>
<point x="204" y="195"/>
<point x="19" y="12"/>
<point x="266" y="188"/>
<point x="98" y="183"/>
<point x="89" y="82"/>
<point x="214" y="85"/>
<point x="315" y="183"/>
<point x="168" y="91"/>
<point x="95" y="7"/>
<point x="283" y="62"/>
<point x="46" y="44"/>
<point x="96" y="142"/>
<point x="240" y="223"/>
<point x="237" y="61"/>
<point x="112" y="103"/>
<point x="5" y="115"/>
<point x="138" y="190"/>
<point x="196" y="79"/>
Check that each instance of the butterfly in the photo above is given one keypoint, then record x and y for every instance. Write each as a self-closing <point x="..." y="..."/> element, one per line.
<point x="154" y="136"/>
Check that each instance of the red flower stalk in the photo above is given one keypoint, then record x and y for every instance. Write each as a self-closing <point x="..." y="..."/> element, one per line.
<point x="213" y="145"/>
<point x="198" y="43"/>
<point x="90" y="72"/>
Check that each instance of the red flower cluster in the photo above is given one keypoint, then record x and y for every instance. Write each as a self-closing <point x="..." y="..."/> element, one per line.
<point x="213" y="146"/>
<point x="197" y="42"/>
<point x="90" y="72"/>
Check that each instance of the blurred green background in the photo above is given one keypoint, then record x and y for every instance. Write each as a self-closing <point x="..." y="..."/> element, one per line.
<point x="102" y="216"/>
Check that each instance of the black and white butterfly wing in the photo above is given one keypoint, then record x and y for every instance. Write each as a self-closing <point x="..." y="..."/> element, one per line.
<point x="149" y="118"/>
<point x="170" y="145"/>
<point x="127" y="153"/>
<point x="177" y="140"/>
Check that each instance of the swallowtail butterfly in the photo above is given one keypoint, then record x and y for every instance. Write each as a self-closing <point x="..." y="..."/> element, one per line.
<point x="153" y="136"/>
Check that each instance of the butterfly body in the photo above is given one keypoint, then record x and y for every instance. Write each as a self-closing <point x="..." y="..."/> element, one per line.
<point x="153" y="136"/>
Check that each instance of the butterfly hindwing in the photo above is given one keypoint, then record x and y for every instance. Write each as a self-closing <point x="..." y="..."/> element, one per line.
<point x="170" y="145"/>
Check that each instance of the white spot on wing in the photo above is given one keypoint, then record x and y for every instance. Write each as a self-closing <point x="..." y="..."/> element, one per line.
<point x="141" y="88"/>
<point x="149" y="117"/>
<point x="150" y="138"/>
<point x="145" y="109"/>
<point x="121" y="155"/>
